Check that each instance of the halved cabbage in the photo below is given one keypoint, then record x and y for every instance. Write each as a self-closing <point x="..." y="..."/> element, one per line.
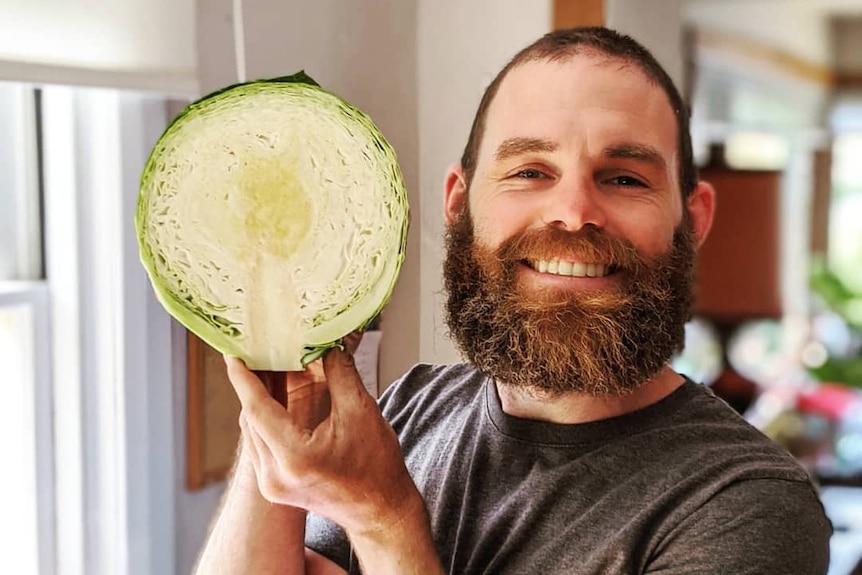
<point x="272" y="221"/>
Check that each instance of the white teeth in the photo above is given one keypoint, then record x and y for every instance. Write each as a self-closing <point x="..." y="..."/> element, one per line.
<point x="567" y="268"/>
<point x="579" y="270"/>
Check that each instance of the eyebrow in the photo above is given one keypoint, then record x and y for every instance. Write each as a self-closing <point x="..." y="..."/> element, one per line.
<point x="638" y="152"/>
<point x="517" y="146"/>
<point x="512" y="147"/>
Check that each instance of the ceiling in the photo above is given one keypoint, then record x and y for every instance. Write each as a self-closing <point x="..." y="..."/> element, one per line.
<point x="803" y="28"/>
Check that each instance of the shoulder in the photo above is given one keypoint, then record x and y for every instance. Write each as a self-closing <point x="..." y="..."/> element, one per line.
<point x="431" y="389"/>
<point x="700" y="428"/>
<point x="739" y="503"/>
<point x="753" y="526"/>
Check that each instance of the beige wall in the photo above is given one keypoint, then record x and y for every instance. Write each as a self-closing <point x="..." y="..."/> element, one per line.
<point x="144" y="44"/>
<point x="794" y="26"/>
<point x="462" y="45"/>
<point x="656" y="24"/>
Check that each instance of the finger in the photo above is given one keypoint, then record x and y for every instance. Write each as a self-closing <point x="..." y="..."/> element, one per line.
<point x="247" y="385"/>
<point x="270" y="479"/>
<point x="248" y="443"/>
<point x="309" y="405"/>
<point x="262" y="412"/>
<point x="313" y="373"/>
<point x="263" y="462"/>
<point x="345" y="386"/>
<point x="351" y="341"/>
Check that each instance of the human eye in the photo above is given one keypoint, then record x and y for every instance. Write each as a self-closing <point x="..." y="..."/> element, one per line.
<point x="530" y="174"/>
<point x="626" y="181"/>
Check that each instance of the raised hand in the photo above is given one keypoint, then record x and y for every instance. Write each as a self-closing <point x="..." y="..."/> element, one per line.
<point x="344" y="464"/>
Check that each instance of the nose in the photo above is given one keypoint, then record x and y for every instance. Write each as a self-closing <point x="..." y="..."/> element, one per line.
<point x="573" y="204"/>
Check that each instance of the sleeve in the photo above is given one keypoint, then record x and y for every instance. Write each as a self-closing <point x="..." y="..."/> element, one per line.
<point x="751" y="527"/>
<point x="328" y="539"/>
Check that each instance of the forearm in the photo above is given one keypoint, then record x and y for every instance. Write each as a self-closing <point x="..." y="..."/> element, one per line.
<point x="251" y="535"/>
<point x="405" y="547"/>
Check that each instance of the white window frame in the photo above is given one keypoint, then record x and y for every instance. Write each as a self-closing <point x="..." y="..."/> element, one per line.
<point x="111" y="342"/>
<point x="37" y="410"/>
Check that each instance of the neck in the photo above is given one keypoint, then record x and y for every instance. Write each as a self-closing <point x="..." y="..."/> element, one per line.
<point x="583" y="408"/>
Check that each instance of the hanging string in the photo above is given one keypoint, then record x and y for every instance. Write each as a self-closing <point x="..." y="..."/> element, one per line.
<point x="239" y="40"/>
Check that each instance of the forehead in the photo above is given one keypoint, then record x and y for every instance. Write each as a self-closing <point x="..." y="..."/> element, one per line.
<point x="598" y="97"/>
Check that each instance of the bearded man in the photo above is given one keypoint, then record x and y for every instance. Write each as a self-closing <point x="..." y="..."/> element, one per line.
<point x="566" y="444"/>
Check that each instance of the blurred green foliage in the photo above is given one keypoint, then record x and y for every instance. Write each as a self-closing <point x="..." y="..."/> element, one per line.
<point x="846" y="303"/>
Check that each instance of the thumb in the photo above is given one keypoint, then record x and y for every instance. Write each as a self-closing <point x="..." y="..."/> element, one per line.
<point x="256" y="402"/>
<point x="345" y="386"/>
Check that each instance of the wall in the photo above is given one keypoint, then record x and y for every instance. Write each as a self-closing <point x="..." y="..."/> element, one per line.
<point x="122" y="43"/>
<point x="796" y="28"/>
<point x="462" y="45"/>
<point x="847" y="44"/>
<point x="659" y="29"/>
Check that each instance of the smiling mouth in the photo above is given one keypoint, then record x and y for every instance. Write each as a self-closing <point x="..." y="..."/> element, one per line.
<point x="571" y="269"/>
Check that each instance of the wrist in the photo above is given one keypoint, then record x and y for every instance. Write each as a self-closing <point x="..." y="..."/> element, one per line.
<point x="400" y="542"/>
<point x="410" y="514"/>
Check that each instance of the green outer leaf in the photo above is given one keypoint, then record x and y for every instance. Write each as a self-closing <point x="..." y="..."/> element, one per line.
<point x="299" y="78"/>
<point x="206" y="330"/>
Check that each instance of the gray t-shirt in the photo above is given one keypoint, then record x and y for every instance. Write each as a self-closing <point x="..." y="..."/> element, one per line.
<point x="684" y="486"/>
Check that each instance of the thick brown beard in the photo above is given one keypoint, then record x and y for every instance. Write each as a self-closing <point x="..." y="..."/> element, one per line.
<point x="602" y="343"/>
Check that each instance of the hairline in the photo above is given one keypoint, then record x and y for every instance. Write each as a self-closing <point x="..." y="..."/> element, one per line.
<point x="539" y="53"/>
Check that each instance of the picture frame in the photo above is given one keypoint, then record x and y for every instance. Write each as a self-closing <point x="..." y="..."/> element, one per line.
<point x="212" y="408"/>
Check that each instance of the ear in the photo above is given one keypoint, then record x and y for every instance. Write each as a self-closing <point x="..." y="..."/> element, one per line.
<point x="701" y="208"/>
<point x="455" y="193"/>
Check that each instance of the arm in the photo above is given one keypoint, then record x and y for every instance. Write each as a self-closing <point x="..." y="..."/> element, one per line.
<point x="252" y="535"/>
<point x="348" y="468"/>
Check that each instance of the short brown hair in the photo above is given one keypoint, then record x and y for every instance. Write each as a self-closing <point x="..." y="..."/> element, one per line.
<point x="563" y="44"/>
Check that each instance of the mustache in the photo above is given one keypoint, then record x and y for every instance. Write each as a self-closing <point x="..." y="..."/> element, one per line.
<point x="588" y="244"/>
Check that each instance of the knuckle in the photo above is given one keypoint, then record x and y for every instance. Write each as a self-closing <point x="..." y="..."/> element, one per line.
<point x="345" y="358"/>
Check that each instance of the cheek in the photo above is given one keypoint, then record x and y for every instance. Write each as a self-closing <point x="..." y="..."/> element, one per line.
<point x="495" y="222"/>
<point x="651" y="236"/>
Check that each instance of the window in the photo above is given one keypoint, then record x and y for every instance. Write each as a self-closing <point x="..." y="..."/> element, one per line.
<point x="26" y="485"/>
<point x="87" y="485"/>
<point x="20" y="194"/>
<point x="845" y="234"/>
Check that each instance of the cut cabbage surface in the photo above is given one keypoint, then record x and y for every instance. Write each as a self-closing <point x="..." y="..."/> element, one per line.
<point x="272" y="221"/>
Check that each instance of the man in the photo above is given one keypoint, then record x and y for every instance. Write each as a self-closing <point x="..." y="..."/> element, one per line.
<point x="566" y="444"/>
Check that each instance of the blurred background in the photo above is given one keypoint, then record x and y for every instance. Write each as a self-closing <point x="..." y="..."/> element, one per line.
<point x="115" y="450"/>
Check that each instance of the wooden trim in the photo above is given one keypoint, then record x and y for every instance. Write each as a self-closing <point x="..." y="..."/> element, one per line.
<point x="768" y="55"/>
<point x="848" y="80"/>
<point x="573" y="13"/>
<point x="195" y="476"/>
<point x="212" y="409"/>
<point x="820" y="201"/>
